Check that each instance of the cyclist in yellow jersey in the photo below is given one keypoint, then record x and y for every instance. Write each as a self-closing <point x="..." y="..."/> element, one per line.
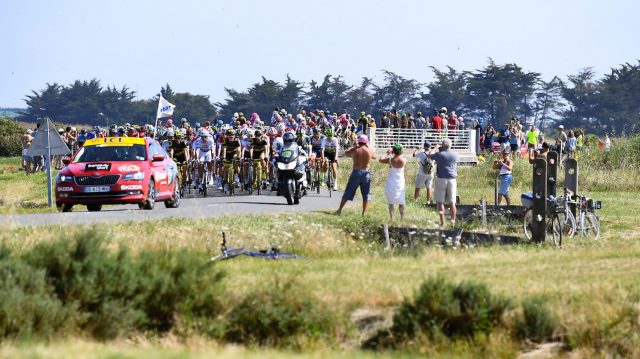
<point x="230" y="150"/>
<point x="258" y="149"/>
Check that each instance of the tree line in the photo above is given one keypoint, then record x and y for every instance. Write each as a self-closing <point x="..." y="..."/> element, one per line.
<point x="492" y="94"/>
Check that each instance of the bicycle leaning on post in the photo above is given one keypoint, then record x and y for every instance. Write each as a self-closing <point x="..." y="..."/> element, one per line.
<point x="553" y="226"/>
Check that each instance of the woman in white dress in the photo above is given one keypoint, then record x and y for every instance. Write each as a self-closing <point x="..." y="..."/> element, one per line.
<point x="395" y="188"/>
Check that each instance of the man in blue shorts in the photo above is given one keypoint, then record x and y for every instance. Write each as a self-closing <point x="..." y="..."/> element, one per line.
<point x="360" y="175"/>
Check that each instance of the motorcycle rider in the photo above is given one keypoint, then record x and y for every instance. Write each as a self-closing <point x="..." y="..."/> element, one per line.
<point x="289" y="144"/>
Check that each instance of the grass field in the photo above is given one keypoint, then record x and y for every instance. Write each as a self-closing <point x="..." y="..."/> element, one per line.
<point x="592" y="287"/>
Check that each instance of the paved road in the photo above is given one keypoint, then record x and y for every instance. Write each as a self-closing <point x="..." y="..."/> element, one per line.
<point x="217" y="205"/>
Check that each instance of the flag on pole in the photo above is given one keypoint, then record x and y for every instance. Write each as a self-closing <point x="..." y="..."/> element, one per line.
<point x="165" y="108"/>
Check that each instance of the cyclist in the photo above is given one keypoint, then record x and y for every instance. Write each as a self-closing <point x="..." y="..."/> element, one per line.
<point x="179" y="150"/>
<point x="316" y="145"/>
<point x="230" y="150"/>
<point x="330" y="149"/>
<point x="204" y="146"/>
<point x="258" y="149"/>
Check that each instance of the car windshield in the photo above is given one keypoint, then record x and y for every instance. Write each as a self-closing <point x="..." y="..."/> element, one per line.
<point x="111" y="153"/>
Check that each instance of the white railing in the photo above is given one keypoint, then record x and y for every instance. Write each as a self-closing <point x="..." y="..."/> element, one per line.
<point x="381" y="139"/>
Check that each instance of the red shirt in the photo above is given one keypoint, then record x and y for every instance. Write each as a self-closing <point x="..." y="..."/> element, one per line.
<point x="453" y="123"/>
<point x="437" y="123"/>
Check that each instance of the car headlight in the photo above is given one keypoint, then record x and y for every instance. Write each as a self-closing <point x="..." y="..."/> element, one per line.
<point x="63" y="178"/>
<point x="138" y="176"/>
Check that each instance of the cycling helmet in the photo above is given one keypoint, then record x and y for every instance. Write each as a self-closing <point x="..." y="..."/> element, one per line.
<point x="257" y="133"/>
<point x="220" y="123"/>
<point x="272" y="131"/>
<point x="328" y="133"/>
<point x="230" y="132"/>
<point x="300" y="131"/>
<point x="280" y="127"/>
<point x="288" y="137"/>
<point x="169" y="133"/>
<point x="249" y="132"/>
<point x="197" y="124"/>
<point x="316" y="130"/>
<point x="203" y="133"/>
<point x="169" y="122"/>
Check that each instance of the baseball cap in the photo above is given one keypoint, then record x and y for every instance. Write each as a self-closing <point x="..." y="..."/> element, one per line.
<point x="363" y="139"/>
<point x="561" y="127"/>
<point x="427" y="144"/>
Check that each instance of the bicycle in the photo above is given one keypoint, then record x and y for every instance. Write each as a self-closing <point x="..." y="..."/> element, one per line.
<point x="256" y="170"/>
<point x="271" y="253"/>
<point x="315" y="182"/>
<point x="183" y="176"/>
<point x="588" y="223"/>
<point x="229" y="181"/>
<point x="554" y="226"/>
<point x="567" y="218"/>
<point x="330" y="179"/>
<point x="250" y="175"/>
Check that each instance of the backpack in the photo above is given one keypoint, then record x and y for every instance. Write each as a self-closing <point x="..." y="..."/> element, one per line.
<point x="427" y="166"/>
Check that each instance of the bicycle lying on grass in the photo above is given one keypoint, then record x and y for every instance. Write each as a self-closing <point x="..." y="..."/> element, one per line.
<point x="271" y="253"/>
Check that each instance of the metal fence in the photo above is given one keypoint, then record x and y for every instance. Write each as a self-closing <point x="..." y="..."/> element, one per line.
<point x="383" y="138"/>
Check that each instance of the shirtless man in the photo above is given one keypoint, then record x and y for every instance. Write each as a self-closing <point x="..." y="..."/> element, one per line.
<point x="360" y="175"/>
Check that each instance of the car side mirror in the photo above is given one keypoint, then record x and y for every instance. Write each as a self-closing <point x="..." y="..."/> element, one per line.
<point x="158" y="158"/>
<point x="66" y="160"/>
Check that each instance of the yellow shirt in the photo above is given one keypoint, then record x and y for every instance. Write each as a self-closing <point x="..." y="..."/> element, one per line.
<point x="532" y="137"/>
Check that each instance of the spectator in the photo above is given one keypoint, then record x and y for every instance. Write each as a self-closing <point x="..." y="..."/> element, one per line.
<point x="395" y="119"/>
<point x="561" y="139"/>
<point x="446" y="172"/>
<point x="488" y="138"/>
<point x="26" y="143"/>
<point x="580" y="140"/>
<point x="384" y="120"/>
<point x="504" y="167"/>
<point x="437" y="121"/>
<point x="426" y="167"/>
<point x="420" y="121"/>
<point x="542" y="153"/>
<point x="571" y="144"/>
<point x="360" y="175"/>
<point x="452" y="123"/>
<point x="532" y="138"/>
<point x="404" y="121"/>
<point x="504" y="136"/>
<point x="606" y="143"/>
<point x="396" y="188"/>
<point x="514" y="140"/>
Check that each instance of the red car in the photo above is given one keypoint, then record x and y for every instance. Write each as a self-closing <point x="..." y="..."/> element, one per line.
<point x="118" y="170"/>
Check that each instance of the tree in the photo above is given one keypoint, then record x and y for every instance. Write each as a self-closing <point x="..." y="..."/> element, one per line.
<point x="581" y="95"/>
<point x="501" y="92"/>
<point x="448" y="89"/>
<point x="548" y="102"/>
<point x="397" y="93"/>
<point x="360" y="98"/>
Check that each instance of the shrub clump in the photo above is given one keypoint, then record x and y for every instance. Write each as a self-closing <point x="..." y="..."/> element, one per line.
<point x="10" y="133"/>
<point x="443" y="310"/>
<point x="538" y="323"/>
<point x="277" y="316"/>
<point x="78" y="284"/>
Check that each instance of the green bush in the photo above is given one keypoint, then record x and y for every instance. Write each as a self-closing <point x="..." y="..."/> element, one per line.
<point x="440" y="310"/>
<point x="27" y="306"/>
<point x="104" y="293"/>
<point x="10" y="133"/>
<point x="277" y="316"/>
<point x="538" y="323"/>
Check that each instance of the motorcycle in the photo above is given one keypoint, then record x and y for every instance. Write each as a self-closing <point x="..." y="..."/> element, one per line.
<point x="291" y="173"/>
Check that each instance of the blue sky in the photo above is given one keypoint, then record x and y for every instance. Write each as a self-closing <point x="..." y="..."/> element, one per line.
<point x="204" y="46"/>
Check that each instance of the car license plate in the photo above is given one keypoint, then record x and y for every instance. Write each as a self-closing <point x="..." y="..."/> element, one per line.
<point x="97" y="189"/>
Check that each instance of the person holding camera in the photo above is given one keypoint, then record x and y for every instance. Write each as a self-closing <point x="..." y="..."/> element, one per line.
<point x="426" y="167"/>
<point x="446" y="172"/>
<point x="395" y="188"/>
<point x="505" y="167"/>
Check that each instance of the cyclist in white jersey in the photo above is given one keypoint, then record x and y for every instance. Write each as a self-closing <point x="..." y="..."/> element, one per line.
<point x="330" y="147"/>
<point x="203" y="145"/>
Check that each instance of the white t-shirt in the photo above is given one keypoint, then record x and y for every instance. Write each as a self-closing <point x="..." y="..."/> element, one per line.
<point x="422" y="157"/>
<point x="330" y="146"/>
